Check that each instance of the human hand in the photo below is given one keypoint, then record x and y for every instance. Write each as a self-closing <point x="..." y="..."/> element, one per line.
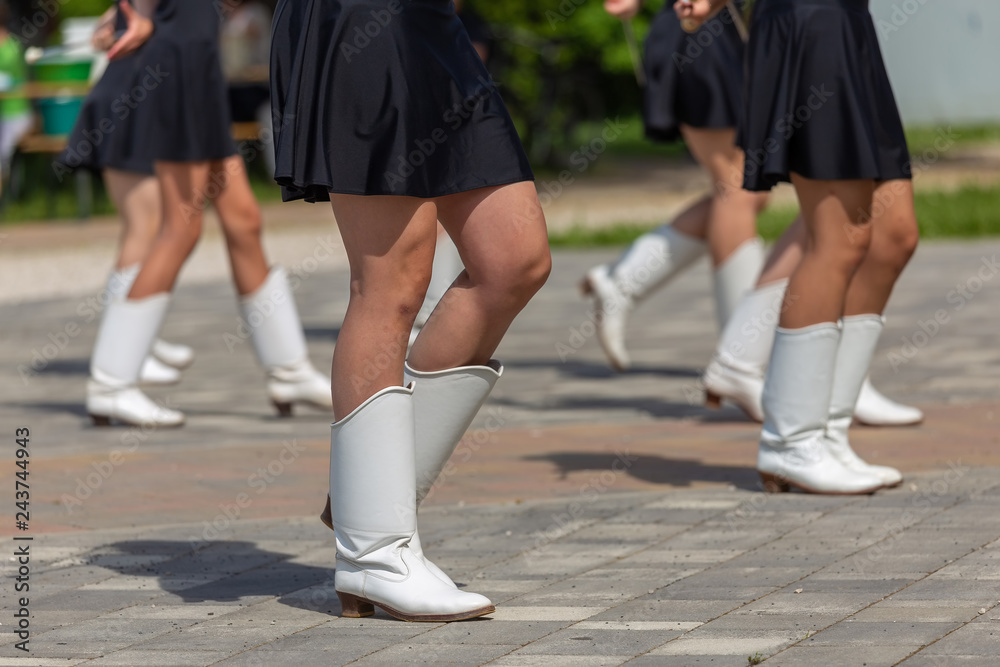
<point x="137" y="32"/>
<point x="623" y="9"/>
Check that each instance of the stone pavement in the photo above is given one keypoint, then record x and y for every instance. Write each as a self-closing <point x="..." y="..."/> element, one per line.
<point x="610" y="517"/>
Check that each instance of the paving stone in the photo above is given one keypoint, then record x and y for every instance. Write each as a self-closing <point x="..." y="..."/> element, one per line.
<point x="517" y="659"/>
<point x="727" y="642"/>
<point x="854" y="656"/>
<point x="981" y="637"/>
<point x="436" y="654"/>
<point x="874" y="633"/>
<point x="588" y="641"/>
<point x="175" y="658"/>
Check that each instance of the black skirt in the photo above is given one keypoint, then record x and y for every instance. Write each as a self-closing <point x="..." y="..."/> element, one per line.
<point x="178" y="88"/>
<point x="102" y="137"/>
<point x="695" y="79"/>
<point x="385" y="97"/>
<point x="819" y="101"/>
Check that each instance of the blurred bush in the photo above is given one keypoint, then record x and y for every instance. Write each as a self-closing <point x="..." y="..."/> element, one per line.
<point x="559" y="64"/>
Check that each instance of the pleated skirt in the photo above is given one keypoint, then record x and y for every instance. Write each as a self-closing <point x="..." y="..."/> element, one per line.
<point x="385" y="98"/>
<point x="818" y="99"/>
<point x="692" y="79"/>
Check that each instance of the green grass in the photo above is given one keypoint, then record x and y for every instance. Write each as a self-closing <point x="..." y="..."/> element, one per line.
<point x="969" y="212"/>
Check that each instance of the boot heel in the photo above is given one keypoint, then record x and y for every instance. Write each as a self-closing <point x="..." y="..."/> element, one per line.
<point x="713" y="401"/>
<point x="586" y="289"/>
<point x="352" y="606"/>
<point x="100" y="420"/>
<point x="284" y="409"/>
<point x="327" y="516"/>
<point x="774" y="484"/>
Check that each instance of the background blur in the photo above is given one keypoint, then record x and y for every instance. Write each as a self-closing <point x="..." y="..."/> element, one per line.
<point x="565" y="70"/>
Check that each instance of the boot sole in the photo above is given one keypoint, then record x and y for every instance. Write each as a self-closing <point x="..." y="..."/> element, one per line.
<point x="862" y="422"/>
<point x="774" y="484"/>
<point x="587" y="290"/>
<point x="713" y="401"/>
<point x="103" y="421"/>
<point x="353" y="606"/>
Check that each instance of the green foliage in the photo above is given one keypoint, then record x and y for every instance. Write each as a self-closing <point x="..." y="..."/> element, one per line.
<point x="969" y="212"/>
<point x="84" y="8"/>
<point x="755" y="659"/>
<point x="560" y="63"/>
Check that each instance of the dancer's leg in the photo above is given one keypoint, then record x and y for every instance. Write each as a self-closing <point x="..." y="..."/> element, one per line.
<point x="894" y="239"/>
<point x="390" y="244"/>
<point x="266" y="300"/>
<point x="136" y="197"/>
<point x="500" y="235"/>
<point x="183" y="186"/>
<point x="732" y="219"/>
<point x="800" y="379"/>
<point x="239" y="212"/>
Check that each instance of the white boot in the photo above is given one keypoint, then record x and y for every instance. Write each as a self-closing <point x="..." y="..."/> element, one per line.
<point x="445" y="403"/>
<point x="446" y="268"/>
<point x="155" y="372"/>
<point x="875" y="409"/>
<point x="123" y="340"/>
<point x="373" y="492"/>
<point x="736" y="372"/>
<point x="161" y="366"/>
<point x="793" y="450"/>
<point x="276" y="333"/>
<point x="652" y="260"/>
<point x="736" y="277"/>
<point x="858" y="339"/>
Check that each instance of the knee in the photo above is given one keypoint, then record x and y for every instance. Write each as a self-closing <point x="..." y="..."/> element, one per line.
<point x="183" y="231"/>
<point x="851" y="249"/>
<point x="245" y="226"/>
<point x="896" y="240"/>
<point x="518" y="276"/>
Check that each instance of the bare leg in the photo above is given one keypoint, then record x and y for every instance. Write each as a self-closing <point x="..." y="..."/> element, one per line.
<point x="500" y="234"/>
<point x="184" y="186"/>
<point x="894" y="239"/>
<point x="785" y="255"/>
<point x="733" y="217"/>
<point x="137" y="200"/>
<point x="239" y="212"/>
<point x="838" y="225"/>
<point x="390" y="246"/>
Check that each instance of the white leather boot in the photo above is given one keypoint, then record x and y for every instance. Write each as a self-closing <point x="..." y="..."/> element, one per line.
<point x="652" y="260"/>
<point x="858" y="339"/>
<point x="736" y="277"/>
<point x="876" y="409"/>
<point x="736" y="372"/>
<point x="123" y="340"/>
<point x="793" y="450"/>
<point x="446" y="268"/>
<point x="445" y="403"/>
<point x="166" y="359"/>
<point x="276" y="333"/>
<point x="373" y="493"/>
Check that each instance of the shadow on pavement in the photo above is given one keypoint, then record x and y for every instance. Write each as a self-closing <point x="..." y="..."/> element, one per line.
<point x="652" y="469"/>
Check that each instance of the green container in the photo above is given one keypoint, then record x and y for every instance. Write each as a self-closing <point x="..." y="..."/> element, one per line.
<point x="62" y="68"/>
<point x="59" y="114"/>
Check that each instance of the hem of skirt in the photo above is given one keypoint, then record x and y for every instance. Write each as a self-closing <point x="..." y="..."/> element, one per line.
<point x="769" y="180"/>
<point x="673" y="133"/>
<point x="306" y="191"/>
<point x="214" y="157"/>
<point x="97" y="167"/>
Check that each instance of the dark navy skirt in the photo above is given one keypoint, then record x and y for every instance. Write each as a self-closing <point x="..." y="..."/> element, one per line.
<point x="695" y="79"/>
<point x="102" y="137"/>
<point x="385" y="97"/>
<point x="819" y="102"/>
